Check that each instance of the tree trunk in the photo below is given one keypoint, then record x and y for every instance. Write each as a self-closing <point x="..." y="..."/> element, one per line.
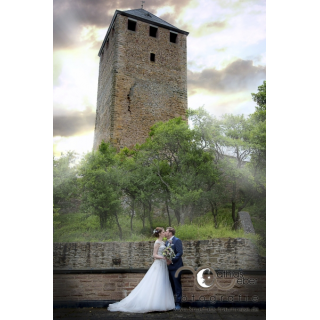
<point x="215" y="217"/>
<point x="144" y="215"/>
<point x="233" y="201"/>
<point x="234" y="218"/>
<point x="214" y="210"/>
<point x="149" y="215"/>
<point x="189" y="210"/>
<point x="169" y="218"/>
<point x="101" y="221"/>
<point x="245" y="203"/>
<point x="177" y="214"/>
<point x="103" y="218"/>
<point x="144" y="212"/>
<point x="120" y="230"/>
<point x="132" y="213"/>
<point x="182" y="215"/>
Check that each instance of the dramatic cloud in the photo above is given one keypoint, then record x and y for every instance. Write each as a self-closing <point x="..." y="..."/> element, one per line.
<point x="171" y="18"/>
<point x="235" y="103"/>
<point x="80" y="144"/>
<point x="236" y="4"/>
<point x="207" y="28"/>
<point x="57" y="68"/>
<point x="70" y="16"/>
<point x="238" y="76"/>
<point x="69" y="123"/>
<point x="226" y="57"/>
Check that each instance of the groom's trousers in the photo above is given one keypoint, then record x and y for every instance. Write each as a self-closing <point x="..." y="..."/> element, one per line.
<point x="176" y="285"/>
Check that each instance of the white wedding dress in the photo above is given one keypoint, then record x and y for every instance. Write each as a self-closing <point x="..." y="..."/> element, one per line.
<point x="153" y="293"/>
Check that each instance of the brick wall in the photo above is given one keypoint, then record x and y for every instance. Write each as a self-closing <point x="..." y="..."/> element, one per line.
<point x="69" y="287"/>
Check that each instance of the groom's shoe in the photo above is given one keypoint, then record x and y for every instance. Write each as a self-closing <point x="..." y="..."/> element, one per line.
<point x="178" y="307"/>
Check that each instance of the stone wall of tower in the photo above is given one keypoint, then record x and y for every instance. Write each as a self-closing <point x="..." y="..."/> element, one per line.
<point x="134" y="92"/>
<point x="104" y="125"/>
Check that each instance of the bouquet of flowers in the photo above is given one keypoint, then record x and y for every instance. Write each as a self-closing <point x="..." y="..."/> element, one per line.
<point x="168" y="252"/>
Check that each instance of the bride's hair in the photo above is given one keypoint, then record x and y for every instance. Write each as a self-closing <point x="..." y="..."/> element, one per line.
<point x="157" y="231"/>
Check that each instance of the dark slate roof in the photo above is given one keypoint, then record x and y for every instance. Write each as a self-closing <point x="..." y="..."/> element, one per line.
<point x="143" y="15"/>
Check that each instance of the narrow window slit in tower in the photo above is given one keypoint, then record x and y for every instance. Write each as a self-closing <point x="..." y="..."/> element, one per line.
<point x="132" y="25"/>
<point x="173" y="37"/>
<point x="152" y="57"/>
<point x="153" y="32"/>
<point x="128" y="97"/>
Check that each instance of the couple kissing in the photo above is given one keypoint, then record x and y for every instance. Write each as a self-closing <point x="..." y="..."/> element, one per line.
<point x="148" y="296"/>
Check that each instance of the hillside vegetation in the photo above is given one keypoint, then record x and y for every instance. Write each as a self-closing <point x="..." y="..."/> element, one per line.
<point x="194" y="179"/>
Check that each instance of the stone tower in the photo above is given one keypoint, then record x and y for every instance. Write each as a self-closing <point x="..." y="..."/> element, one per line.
<point x="142" y="77"/>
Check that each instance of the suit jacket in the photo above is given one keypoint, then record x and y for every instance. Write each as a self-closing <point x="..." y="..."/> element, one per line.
<point x="177" y="248"/>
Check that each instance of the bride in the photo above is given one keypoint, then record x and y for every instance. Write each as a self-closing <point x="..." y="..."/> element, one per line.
<point x="154" y="292"/>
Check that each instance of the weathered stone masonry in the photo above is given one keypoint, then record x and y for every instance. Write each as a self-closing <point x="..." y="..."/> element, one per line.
<point x="79" y="287"/>
<point x="111" y="284"/>
<point x="133" y="91"/>
<point x="219" y="253"/>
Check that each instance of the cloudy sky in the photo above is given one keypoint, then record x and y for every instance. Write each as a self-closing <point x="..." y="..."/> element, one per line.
<point x="226" y="58"/>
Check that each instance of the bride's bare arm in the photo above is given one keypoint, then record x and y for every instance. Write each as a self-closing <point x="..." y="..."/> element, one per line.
<point x="155" y="251"/>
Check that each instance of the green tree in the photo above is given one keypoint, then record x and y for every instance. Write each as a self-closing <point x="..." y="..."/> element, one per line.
<point x="228" y="140"/>
<point x="258" y="136"/>
<point x="261" y="99"/>
<point x="258" y="155"/>
<point x="210" y="135"/>
<point x="134" y="181"/>
<point x="236" y="131"/>
<point x="100" y="194"/>
<point x="65" y="185"/>
<point x="180" y="163"/>
<point x="147" y="183"/>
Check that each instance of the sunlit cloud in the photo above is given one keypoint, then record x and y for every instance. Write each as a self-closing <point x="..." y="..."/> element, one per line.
<point x="240" y="75"/>
<point x="225" y="53"/>
<point x="81" y="144"/>
<point x="217" y="105"/>
<point x="164" y="10"/>
<point x="78" y="80"/>
<point x="101" y="34"/>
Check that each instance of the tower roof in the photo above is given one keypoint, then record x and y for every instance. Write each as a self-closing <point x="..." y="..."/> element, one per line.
<point x="142" y="15"/>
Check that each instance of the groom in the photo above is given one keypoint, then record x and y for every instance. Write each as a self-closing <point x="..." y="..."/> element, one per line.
<point x="175" y="264"/>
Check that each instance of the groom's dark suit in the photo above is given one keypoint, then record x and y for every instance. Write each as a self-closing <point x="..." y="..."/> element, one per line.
<point x="172" y="268"/>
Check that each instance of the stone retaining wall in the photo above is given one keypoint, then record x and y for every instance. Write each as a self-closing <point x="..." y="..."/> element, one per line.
<point x="89" y="271"/>
<point x="220" y="253"/>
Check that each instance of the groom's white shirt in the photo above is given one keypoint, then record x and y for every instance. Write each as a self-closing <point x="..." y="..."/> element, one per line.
<point x="168" y="243"/>
<point x="170" y="239"/>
